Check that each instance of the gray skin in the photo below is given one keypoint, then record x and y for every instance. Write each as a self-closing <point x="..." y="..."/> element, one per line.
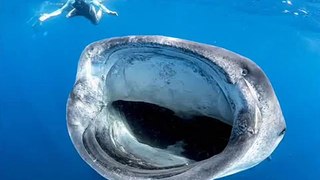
<point x="257" y="120"/>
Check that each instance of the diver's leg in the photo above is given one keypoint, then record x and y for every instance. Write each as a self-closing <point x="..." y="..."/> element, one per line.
<point x="99" y="15"/>
<point x="93" y="17"/>
<point x="104" y="8"/>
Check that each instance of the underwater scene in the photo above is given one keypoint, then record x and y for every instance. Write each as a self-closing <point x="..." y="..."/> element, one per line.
<point x="159" y="89"/>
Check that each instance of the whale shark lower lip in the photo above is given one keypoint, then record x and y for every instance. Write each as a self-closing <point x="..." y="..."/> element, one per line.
<point x="155" y="107"/>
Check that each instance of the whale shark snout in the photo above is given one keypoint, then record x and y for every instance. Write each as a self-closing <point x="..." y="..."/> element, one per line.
<point x="155" y="107"/>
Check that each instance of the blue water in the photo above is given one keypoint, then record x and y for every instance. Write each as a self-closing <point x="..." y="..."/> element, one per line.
<point x="38" y="67"/>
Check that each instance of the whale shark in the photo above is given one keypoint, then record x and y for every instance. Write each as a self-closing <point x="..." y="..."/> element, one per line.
<point x="156" y="107"/>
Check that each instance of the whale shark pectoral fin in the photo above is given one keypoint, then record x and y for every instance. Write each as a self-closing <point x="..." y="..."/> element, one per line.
<point x="72" y="13"/>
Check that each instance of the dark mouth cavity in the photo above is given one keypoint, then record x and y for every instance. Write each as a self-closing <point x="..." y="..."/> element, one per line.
<point x="198" y="137"/>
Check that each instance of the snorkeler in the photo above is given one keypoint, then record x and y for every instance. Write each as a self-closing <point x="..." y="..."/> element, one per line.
<point x="86" y="8"/>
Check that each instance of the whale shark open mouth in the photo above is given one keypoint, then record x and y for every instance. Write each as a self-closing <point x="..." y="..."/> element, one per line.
<point x="151" y="107"/>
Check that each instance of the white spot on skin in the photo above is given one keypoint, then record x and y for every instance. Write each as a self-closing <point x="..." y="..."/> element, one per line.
<point x="286" y="11"/>
<point x="288" y="2"/>
<point x="303" y="11"/>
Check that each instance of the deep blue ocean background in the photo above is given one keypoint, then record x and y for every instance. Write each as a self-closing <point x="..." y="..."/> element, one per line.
<point x="38" y="67"/>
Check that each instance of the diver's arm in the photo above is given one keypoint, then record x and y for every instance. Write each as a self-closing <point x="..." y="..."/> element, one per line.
<point x="57" y="12"/>
<point x="104" y="8"/>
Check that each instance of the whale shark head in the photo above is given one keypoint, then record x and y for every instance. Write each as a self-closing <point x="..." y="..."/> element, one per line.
<point x="154" y="107"/>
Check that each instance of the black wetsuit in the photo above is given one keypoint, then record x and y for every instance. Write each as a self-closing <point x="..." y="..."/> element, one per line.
<point x="84" y="9"/>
